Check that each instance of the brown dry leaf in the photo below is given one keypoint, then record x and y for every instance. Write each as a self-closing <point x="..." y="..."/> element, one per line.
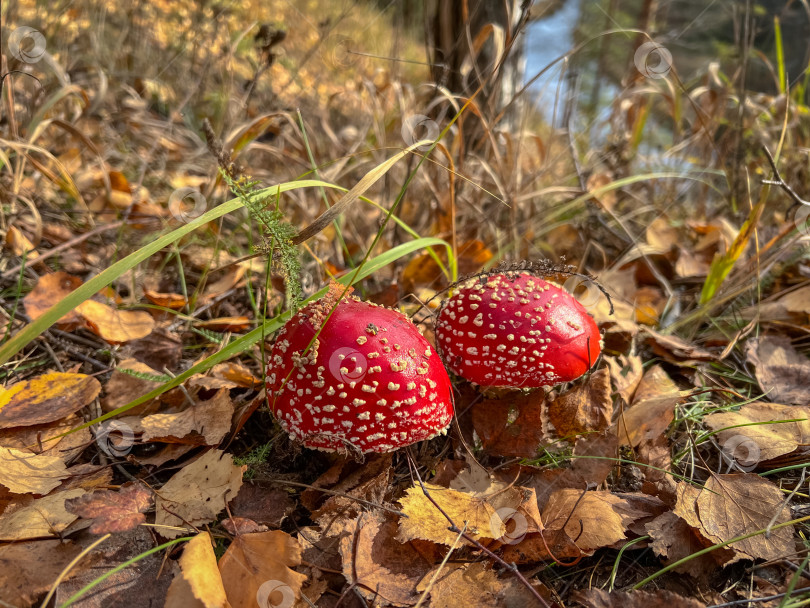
<point x="674" y="539"/>
<point x="550" y="545"/>
<point x="594" y="520"/>
<point x="23" y="472"/>
<point x="257" y="568"/>
<point x="267" y="506"/>
<point x="751" y="443"/>
<point x="740" y="503"/>
<point x="124" y="387"/>
<point x="173" y="301"/>
<point x="50" y="289"/>
<point x="662" y="236"/>
<point x="199" y="582"/>
<point x="19" y="244"/>
<point x="605" y="200"/>
<point x="599" y="598"/>
<point x="41" y="518"/>
<point x="583" y="409"/>
<point x="44" y="438"/>
<point x="652" y="410"/>
<point x="234" y="324"/>
<point x="197" y="493"/>
<point x="240" y="525"/>
<point x="797" y="301"/>
<point x="595" y="456"/>
<point x="677" y="350"/>
<point x="783" y="374"/>
<point x="649" y="303"/>
<point x="238" y="374"/>
<point x="113" y="325"/>
<point x="465" y="585"/>
<point x="378" y="564"/>
<point x="159" y="350"/>
<point x="625" y="373"/>
<point x="113" y="511"/>
<point x="426" y="522"/>
<point x="46" y="398"/>
<point x="27" y="570"/>
<point x="205" y="423"/>
<point x="514" y="425"/>
<point x="423" y="269"/>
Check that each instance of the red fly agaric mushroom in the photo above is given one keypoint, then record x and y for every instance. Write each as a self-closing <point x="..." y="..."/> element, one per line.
<point x="516" y="330"/>
<point x="368" y="382"/>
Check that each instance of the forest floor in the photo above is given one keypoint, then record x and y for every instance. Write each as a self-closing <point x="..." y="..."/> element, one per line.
<point x="178" y="177"/>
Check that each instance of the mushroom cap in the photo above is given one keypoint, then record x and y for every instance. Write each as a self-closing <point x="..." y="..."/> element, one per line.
<point x="516" y="330"/>
<point x="370" y="382"/>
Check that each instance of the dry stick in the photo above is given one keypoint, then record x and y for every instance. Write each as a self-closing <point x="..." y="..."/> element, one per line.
<point x="781" y="182"/>
<point x="336" y="493"/>
<point x="456" y="530"/>
<point x="440" y="568"/>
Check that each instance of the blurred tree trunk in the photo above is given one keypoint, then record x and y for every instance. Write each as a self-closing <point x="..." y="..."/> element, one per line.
<point x="466" y="39"/>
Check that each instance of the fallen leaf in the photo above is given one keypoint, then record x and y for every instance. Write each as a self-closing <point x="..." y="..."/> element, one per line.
<point x="197" y="493"/>
<point x="44" y="438"/>
<point x="199" y="583"/>
<point x="20" y="244"/>
<point x="750" y="443"/>
<point x="50" y="289"/>
<point x="625" y="374"/>
<point x="592" y="519"/>
<point x="674" y="539"/>
<point x="207" y="422"/>
<point x="46" y="398"/>
<point x="595" y="455"/>
<point x="28" y="569"/>
<point x="514" y="425"/>
<point x="234" y="324"/>
<point x="741" y="503"/>
<point x="652" y="410"/>
<point x="426" y="522"/>
<point x="583" y="409"/>
<point x="113" y="511"/>
<point x="783" y="374"/>
<point x="25" y="473"/>
<point x="160" y="350"/>
<point x="677" y="350"/>
<point x="264" y="505"/>
<point x="378" y="564"/>
<point x="42" y="518"/>
<point x="240" y="525"/>
<point x="471" y="256"/>
<point x="173" y="301"/>
<point x="113" y="325"/>
<point x="661" y="598"/>
<point x="124" y="387"/>
<point x="256" y="568"/>
<point x="238" y="374"/>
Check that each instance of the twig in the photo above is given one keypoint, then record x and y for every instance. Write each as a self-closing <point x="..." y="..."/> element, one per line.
<point x="456" y="530"/>
<point x="336" y="493"/>
<point x="781" y="182"/>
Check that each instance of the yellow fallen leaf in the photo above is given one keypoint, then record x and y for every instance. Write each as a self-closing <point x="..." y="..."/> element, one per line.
<point x="42" y="518"/>
<point x="199" y="577"/>
<point x="23" y="472"/>
<point x="46" y="398"/>
<point x="426" y="522"/>
<point x="113" y="325"/>
<point x="49" y="290"/>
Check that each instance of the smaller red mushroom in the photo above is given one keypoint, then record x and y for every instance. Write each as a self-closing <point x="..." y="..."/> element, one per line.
<point x="516" y="330"/>
<point x="369" y="381"/>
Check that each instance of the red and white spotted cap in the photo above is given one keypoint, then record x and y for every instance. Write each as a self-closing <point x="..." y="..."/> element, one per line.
<point x="369" y="381"/>
<point x="516" y="330"/>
